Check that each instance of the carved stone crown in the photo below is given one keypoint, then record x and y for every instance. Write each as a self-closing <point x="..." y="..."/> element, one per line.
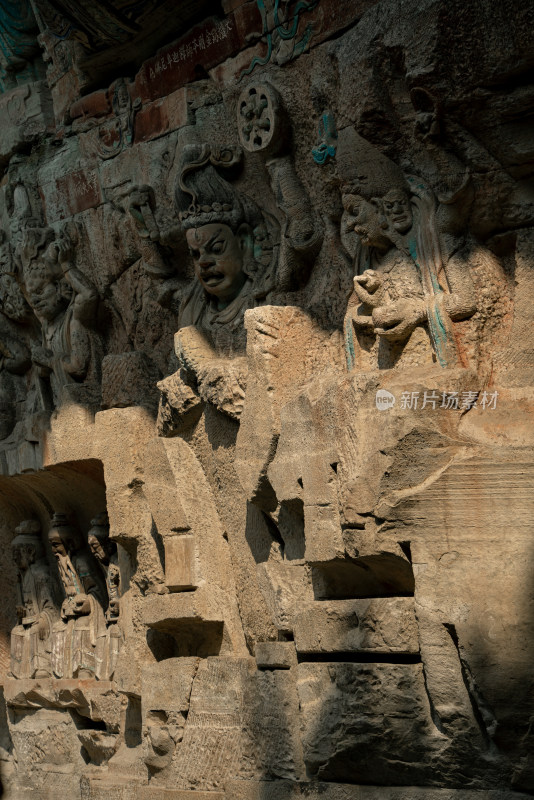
<point x="202" y="195"/>
<point x="196" y="210"/>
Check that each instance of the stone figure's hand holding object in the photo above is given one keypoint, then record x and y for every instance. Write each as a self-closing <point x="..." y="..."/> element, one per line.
<point x="114" y="610"/>
<point x="78" y="605"/>
<point x="396" y="321"/>
<point x="141" y="207"/>
<point x="140" y="202"/>
<point x="60" y="253"/>
<point x="369" y="288"/>
<point x="82" y="605"/>
<point x="42" y="358"/>
<point x="43" y="627"/>
<point x="65" y="252"/>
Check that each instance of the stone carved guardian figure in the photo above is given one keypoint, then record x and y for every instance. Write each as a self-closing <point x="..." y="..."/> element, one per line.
<point x="12" y="302"/>
<point x="36" y="611"/>
<point x="219" y="232"/>
<point x="242" y="256"/>
<point x="219" y="226"/>
<point x="77" y="648"/>
<point x="15" y="361"/>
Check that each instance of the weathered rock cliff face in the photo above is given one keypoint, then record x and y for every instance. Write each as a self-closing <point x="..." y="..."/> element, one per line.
<point x="266" y="399"/>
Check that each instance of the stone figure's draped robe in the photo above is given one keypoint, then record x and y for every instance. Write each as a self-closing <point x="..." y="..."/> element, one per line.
<point x="30" y="653"/>
<point x="76" y="638"/>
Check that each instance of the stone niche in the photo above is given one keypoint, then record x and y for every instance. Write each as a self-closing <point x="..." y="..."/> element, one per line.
<point x="266" y="400"/>
<point x="60" y="624"/>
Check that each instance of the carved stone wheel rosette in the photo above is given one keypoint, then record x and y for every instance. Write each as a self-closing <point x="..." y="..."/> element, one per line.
<point x="261" y="119"/>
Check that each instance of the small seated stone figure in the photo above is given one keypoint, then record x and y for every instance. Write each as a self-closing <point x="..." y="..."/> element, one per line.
<point x="64" y="302"/>
<point x="75" y="637"/>
<point x="36" y="611"/>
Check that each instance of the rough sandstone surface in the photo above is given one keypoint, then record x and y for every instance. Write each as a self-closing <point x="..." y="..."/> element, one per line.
<point x="266" y="400"/>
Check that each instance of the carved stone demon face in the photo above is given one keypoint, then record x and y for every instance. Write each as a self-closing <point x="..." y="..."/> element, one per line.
<point x="219" y="255"/>
<point x="398" y="211"/>
<point x="45" y="296"/>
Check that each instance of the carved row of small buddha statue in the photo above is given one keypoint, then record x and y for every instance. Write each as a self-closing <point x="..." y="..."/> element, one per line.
<point x="81" y="637"/>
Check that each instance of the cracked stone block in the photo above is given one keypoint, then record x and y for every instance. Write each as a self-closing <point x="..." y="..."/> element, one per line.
<point x="378" y="625"/>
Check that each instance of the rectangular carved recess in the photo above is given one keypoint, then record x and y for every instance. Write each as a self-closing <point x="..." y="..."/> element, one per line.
<point x="68" y="584"/>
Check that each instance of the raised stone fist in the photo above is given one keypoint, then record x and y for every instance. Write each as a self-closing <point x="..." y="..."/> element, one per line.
<point x="141" y="204"/>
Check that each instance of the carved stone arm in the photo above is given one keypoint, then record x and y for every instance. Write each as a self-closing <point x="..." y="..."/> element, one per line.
<point x="220" y="381"/>
<point x="397" y="320"/>
<point x="461" y="302"/>
<point x="153" y="261"/>
<point x="301" y="229"/>
<point x="76" y="361"/>
<point x="139" y="203"/>
<point x="302" y="235"/>
<point x="86" y="299"/>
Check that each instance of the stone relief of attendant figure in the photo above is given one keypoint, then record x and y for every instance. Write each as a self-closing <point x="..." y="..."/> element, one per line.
<point x="412" y="277"/>
<point x="75" y="638"/>
<point x="64" y="302"/>
<point x="15" y="361"/>
<point x="20" y="56"/>
<point x="104" y="550"/>
<point x="12" y="302"/>
<point x="16" y="330"/>
<point x="115" y="135"/>
<point x="36" y="611"/>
